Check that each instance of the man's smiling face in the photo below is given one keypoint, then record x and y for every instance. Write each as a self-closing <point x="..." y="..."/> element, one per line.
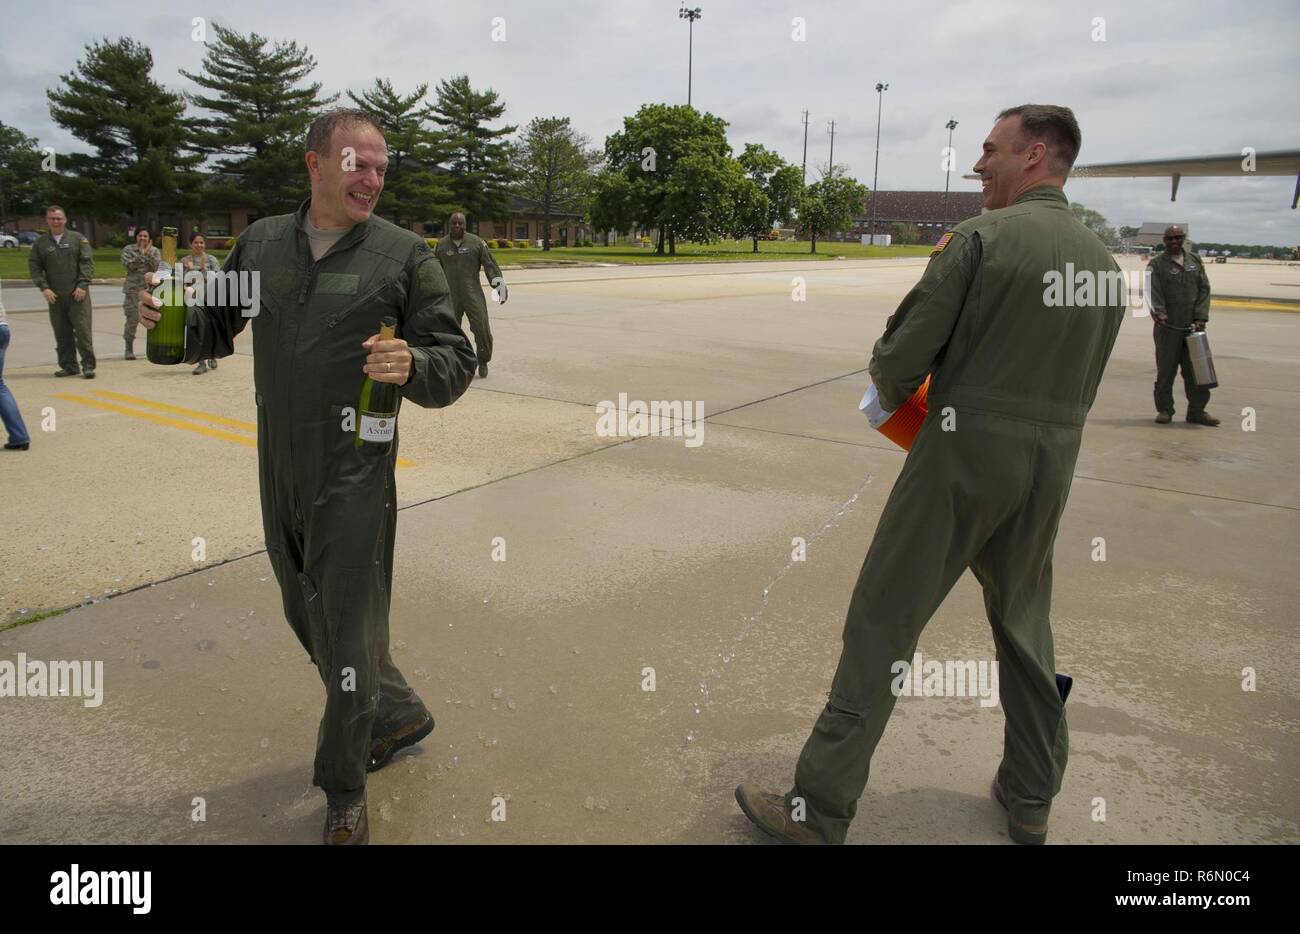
<point x="999" y="168"/>
<point x="346" y="182"/>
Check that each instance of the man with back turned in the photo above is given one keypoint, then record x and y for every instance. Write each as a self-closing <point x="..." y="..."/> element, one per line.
<point x="328" y="274"/>
<point x="984" y="485"/>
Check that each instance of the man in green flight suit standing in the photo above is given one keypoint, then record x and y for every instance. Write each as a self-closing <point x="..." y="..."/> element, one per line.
<point x="328" y="274"/>
<point x="462" y="254"/>
<point x="1015" y="371"/>
<point x="1180" y="302"/>
<point x="61" y="266"/>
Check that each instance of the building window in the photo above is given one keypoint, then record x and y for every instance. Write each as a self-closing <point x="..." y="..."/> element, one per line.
<point x="428" y="228"/>
<point x="218" y="225"/>
<point x="521" y="231"/>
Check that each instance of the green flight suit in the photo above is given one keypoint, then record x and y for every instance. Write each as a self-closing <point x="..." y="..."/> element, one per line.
<point x="136" y="265"/>
<point x="1184" y="296"/>
<point x="329" y="508"/>
<point x="63" y="267"/>
<point x="462" y="264"/>
<point x="1015" y="378"/>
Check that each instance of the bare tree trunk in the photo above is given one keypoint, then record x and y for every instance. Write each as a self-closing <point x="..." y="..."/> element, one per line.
<point x="672" y="242"/>
<point x="659" y="247"/>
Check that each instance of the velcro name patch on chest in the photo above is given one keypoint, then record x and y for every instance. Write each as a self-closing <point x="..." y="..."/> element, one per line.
<point x="337" y="283"/>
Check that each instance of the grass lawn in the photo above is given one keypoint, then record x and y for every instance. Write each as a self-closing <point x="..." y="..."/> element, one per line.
<point x="108" y="264"/>
<point x="723" y="251"/>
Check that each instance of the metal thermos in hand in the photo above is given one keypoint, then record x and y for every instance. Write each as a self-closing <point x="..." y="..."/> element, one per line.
<point x="1198" y="348"/>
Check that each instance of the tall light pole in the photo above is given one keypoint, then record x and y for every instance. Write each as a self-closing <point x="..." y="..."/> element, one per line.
<point x="830" y="128"/>
<point x="804" y="177"/>
<point x="951" y="125"/>
<point x="880" y="103"/>
<point x="690" y="16"/>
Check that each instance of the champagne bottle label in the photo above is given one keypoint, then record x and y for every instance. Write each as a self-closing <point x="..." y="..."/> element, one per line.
<point x="377" y="428"/>
<point x="377" y="411"/>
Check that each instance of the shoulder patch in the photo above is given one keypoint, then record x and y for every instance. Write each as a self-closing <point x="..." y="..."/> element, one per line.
<point x="939" y="247"/>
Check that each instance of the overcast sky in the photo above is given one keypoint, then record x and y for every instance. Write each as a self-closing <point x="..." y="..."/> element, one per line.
<point x="1170" y="79"/>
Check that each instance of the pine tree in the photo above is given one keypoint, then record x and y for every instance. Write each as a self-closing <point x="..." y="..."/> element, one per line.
<point x="414" y="190"/>
<point x="259" y="115"/>
<point x="24" y="188"/>
<point x="478" y="157"/>
<point x="142" y="164"/>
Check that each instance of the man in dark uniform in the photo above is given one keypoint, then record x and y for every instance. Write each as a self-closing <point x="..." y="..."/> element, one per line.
<point x="462" y="255"/>
<point x="1180" y="302"/>
<point x="985" y="483"/>
<point x="61" y="266"/>
<point x="328" y="275"/>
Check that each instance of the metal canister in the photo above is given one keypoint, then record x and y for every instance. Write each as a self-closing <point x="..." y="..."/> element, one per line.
<point x="1198" y="348"/>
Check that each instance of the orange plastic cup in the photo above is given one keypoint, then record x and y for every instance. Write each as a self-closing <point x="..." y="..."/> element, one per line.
<point x="902" y="426"/>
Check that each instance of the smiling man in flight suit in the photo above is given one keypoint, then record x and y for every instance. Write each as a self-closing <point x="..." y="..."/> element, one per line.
<point x="1014" y="375"/>
<point x="328" y="275"/>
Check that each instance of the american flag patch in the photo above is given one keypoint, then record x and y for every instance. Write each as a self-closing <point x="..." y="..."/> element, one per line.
<point x="943" y="242"/>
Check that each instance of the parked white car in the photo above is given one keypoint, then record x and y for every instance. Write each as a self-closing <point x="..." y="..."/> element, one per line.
<point x="7" y="240"/>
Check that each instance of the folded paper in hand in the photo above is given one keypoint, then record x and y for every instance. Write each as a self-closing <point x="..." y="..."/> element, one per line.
<point x="870" y="407"/>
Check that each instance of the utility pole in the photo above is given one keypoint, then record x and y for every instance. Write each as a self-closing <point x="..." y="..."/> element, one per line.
<point x="805" y="148"/>
<point x="690" y="16"/>
<point x="951" y="125"/>
<point x="831" y="130"/>
<point x="880" y="99"/>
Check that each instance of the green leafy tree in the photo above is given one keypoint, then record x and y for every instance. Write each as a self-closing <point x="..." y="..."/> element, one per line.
<point x="554" y="165"/>
<point x="257" y="114"/>
<point x="828" y="206"/>
<point x="1094" y="221"/>
<point x="141" y="163"/>
<point x="479" y="157"/>
<point x="902" y="233"/>
<point x="24" y="188"/>
<point x="612" y="206"/>
<point x="678" y="174"/>
<point x="413" y="188"/>
<point x="778" y="187"/>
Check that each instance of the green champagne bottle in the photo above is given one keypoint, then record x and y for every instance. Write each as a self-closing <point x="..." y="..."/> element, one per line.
<point x="377" y="411"/>
<point x="165" y="342"/>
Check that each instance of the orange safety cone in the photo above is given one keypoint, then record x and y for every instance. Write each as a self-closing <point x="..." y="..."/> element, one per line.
<point x="901" y="427"/>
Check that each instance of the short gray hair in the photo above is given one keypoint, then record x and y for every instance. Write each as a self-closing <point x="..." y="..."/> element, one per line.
<point x="322" y="128"/>
<point x="1054" y="126"/>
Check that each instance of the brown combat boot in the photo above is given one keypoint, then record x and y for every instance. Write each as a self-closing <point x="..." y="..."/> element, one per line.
<point x="1030" y="834"/>
<point x="1203" y="418"/>
<point x="770" y="813"/>
<point x="1164" y="418"/>
<point x="384" y="748"/>
<point x="347" y="824"/>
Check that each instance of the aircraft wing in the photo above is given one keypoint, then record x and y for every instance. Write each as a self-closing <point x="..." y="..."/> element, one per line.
<point x="1277" y="162"/>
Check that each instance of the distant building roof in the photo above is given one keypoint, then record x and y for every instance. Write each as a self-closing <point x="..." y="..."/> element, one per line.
<point x="923" y="207"/>
<point x="1152" y="233"/>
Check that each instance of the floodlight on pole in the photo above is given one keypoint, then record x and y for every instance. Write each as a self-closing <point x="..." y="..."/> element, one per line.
<point x="690" y="15"/>
<point x="880" y="102"/>
<point x="951" y="125"/>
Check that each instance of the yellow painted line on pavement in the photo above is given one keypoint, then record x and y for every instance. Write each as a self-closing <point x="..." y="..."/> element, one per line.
<point x="176" y="423"/>
<point x="175" y="409"/>
<point x="158" y="419"/>
<point x="1259" y="306"/>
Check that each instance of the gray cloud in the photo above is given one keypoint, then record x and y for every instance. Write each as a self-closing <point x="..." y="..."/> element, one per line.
<point x="1172" y="78"/>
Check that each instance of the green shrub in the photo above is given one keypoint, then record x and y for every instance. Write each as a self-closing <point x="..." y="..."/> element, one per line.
<point x="521" y="244"/>
<point x="432" y="241"/>
<point x="118" y="240"/>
